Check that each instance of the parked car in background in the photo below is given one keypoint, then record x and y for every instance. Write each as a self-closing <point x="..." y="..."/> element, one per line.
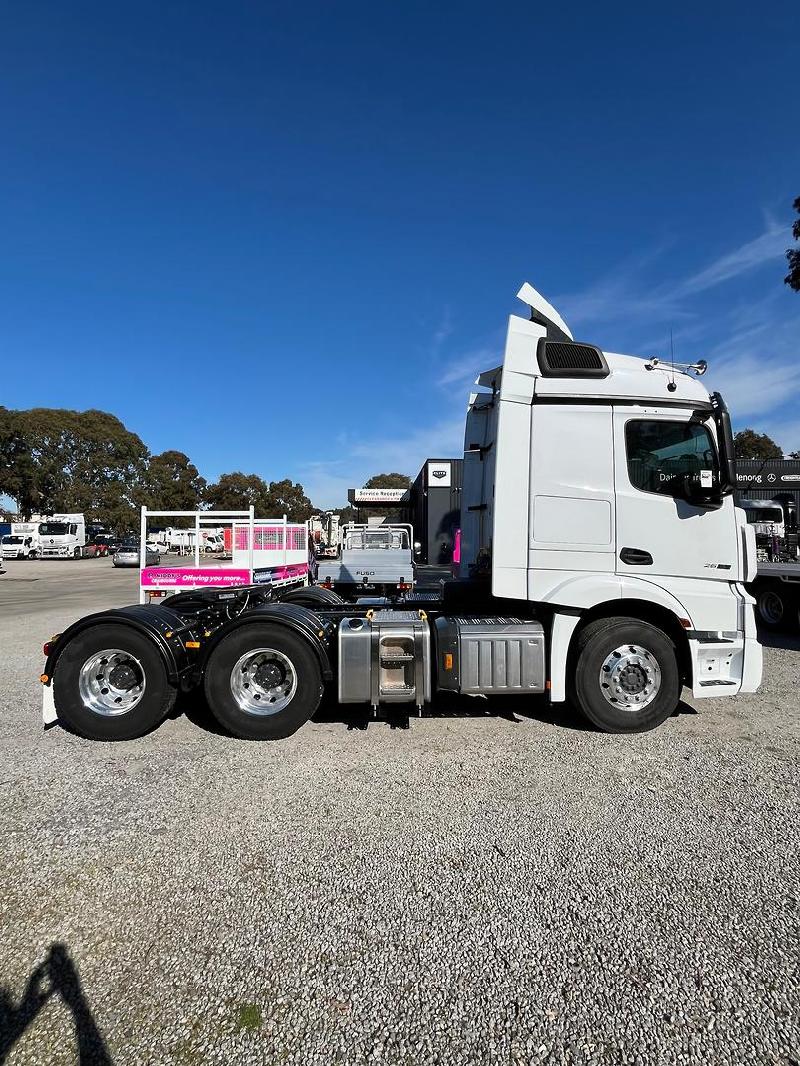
<point x="106" y="541"/>
<point x="127" y="554"/>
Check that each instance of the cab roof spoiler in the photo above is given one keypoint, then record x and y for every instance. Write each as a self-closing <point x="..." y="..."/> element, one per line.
<point x="545" y="314"/>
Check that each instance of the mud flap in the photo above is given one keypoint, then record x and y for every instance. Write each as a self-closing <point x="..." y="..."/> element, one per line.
<point x="49" y="713"/>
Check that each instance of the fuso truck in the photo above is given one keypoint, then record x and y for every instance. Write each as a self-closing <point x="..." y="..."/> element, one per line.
<point x="374" y="558"/>
<point x="602" y="562"/>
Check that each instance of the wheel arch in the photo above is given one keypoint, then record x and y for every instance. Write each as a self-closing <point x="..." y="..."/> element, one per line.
<point x="302" y="621"/>
<point x="655" y="614"/>
<point x="159" y="622"/>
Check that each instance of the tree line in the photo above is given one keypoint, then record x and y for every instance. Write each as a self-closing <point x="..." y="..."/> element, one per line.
<point x="88" y="462"/>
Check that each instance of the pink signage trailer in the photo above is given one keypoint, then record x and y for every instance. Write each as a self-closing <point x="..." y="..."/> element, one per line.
<point x="263" y="551"/>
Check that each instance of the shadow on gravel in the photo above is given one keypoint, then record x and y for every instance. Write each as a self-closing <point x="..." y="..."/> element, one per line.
<point x="193" y="705"/>
<point x="356" y="717"/>
<point x="55" y="976"/>
<point x="511" y="709"/>
<point x="773" y="639"/>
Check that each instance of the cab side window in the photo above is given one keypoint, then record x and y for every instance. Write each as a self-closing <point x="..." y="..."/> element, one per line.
<point x="660" y="454"/>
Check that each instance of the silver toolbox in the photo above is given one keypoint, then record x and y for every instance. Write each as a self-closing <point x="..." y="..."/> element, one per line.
<point x="490" y="655"/>
<point x="385" y="659"/>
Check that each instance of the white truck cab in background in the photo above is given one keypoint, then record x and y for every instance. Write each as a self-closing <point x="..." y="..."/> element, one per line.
<point x="22" y="542"/>
<point x="61" y="536"/>
<point x="182" y="540"/>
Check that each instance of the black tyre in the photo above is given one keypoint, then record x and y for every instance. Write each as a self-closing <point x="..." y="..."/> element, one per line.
<point x="263" y="682"/>
<point x="774" y="606"/>
<point x="313" y="596"/>
<point x="110" y="683"/>
<point x="626" y="677"/>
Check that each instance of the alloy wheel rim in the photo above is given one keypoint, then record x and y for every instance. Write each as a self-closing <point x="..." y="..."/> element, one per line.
<point x="263" y="681"/>
<point x="111" y="682"/>
<point x="630" y="677"/>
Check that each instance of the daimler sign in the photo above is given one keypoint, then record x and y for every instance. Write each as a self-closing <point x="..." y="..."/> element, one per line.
<point x="773" y="475"/>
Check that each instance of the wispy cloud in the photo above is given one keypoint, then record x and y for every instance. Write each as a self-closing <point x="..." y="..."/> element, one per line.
<point x="753" y="387"/>
<point x="442" y="332"/>
<point x="769" y="245"/>
<point x="625" y="295"/>
<point x="463" y="369"/>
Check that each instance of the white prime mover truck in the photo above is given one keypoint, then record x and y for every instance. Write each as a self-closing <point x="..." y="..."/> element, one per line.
<point x="603" y="561"/>
<point x="61" y="536"/>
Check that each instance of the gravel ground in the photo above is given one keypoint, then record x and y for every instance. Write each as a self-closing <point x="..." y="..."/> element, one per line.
<point x="478" y="888"/>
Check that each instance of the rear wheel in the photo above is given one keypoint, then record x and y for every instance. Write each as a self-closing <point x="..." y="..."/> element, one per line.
<point x="313" y="596"/>
<point x="110" y="683"/>
<point x="626" y="676"/>
<point x="263" y="682"/>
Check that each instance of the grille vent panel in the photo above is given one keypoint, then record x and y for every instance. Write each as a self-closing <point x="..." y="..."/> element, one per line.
<point x="568" y="359"/>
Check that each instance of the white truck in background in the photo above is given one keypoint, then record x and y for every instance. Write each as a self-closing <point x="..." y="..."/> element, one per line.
<point x="182" y="541"/>
<point x="602" y="561"/>
<point x="22" y="542"/>
<point x="777" y="584"/>
<point x="324" y="532"/>
<point x="61" y="536"/>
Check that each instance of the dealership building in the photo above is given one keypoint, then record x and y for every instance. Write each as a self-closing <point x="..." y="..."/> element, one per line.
<point x="432" y="505"/>
<point x="777" y="480"/>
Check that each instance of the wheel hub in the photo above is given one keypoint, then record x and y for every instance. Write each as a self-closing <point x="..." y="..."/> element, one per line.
<point x="123" y="676"/>
<point x="269" y="674"/>
<point x="263" y="681"/>
<point x="630" y="677"/>
<point x="111" y="682"/>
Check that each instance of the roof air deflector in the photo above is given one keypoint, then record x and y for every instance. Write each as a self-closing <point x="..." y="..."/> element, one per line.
<point x="544" y="313"/>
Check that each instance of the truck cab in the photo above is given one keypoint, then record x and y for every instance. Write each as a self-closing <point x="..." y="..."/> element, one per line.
<point x="599" y="484"/>
<point x="19" y="546"/>
<point x="62" y="536"/>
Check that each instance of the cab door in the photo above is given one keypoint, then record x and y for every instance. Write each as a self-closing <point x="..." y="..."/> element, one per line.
<point x="659" y="532"/>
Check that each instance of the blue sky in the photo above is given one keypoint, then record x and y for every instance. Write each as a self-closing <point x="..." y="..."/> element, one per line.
<point x="283" y="238"/>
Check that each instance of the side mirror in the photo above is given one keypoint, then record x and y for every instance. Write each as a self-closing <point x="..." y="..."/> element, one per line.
<point x="702" y="495"/>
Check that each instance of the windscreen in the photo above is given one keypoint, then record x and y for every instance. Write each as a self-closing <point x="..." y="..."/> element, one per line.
<point x="661" y="453"/>
<point x="764" y="514"/>
<point x="53" y="529"/>
<point x="12" y="540"/>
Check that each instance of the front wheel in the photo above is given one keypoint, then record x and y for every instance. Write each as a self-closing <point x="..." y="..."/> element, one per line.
<point x="626" y="676"/>
<point x="110" y="683"/>
<point x="263" y="682"/>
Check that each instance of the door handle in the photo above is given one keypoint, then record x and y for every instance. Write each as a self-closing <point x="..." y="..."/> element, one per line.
<point x="636" y="557"/>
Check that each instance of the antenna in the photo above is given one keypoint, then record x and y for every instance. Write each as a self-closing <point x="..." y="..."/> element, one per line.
<point x="671" y="387"/>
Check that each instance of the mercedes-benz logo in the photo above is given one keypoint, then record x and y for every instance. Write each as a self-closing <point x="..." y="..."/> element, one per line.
<point x="772" y="477"/>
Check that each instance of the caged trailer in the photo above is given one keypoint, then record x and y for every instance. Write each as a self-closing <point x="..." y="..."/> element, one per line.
<point x="262" y="551"/>
<point x="602" y="561"/>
